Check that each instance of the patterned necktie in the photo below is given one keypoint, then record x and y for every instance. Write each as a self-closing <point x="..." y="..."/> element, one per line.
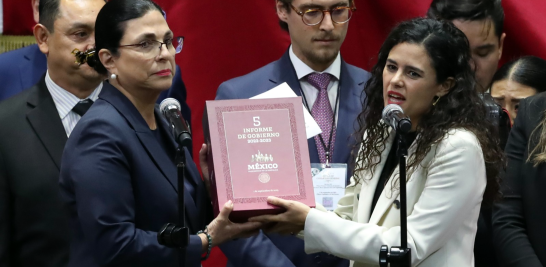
<point x="82" y="106"/>
<point x="323" y="114"/>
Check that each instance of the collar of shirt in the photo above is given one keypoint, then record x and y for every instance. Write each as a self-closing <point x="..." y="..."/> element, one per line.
<point x="64" y="100"/>
<point x="303" y="70"/>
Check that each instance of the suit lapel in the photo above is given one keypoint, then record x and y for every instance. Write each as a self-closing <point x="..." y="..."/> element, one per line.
<point x="388" y="196"/>
<point x="368" y="189"/>
<point x="345" y="115"/>
<point x="124" y="106"/>
<point x="44" y="119"/>
<point x="33" y="65"/>
<point x="284" y="72"/>
<point x="162" y="160"/>
<point x="191" y="212"/>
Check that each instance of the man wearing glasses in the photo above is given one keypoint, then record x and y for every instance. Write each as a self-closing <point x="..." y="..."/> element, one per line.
<point x="331" y="90"/>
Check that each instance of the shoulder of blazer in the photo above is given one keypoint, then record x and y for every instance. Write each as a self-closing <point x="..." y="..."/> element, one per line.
<point x="20" y="103"/>
<point x="258" y="81"/>
<point x="459" y="139"/>
<point x="533" y="109"/>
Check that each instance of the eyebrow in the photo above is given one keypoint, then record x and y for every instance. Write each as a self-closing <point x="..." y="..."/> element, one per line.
<point x="309" y="6"/>
<point x="79" y="25"/>
<point x="408" y="67"/>
<point x="150" y="35"/>
<point x="485" y="46"/>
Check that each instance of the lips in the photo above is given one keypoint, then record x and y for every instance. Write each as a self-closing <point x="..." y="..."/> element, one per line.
<point x="165" y="72"/>
<point x="325" y="39"/>
<point x="395" y="98"/>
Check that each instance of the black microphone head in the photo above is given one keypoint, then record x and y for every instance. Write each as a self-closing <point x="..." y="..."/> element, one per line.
<point x="404" y="126"/>
<point x="167" y="104"/>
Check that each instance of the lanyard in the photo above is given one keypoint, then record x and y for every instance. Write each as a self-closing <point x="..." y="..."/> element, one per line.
<point x="326" y="148"/>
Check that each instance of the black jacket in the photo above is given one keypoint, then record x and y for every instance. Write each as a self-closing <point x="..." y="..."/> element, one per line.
<point x="519" y="220"/>
<point x="34" y="229"/>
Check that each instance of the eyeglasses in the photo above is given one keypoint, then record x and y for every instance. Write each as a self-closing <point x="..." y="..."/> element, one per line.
<point x="314" y="16"/>
<point x="148" y="47"/>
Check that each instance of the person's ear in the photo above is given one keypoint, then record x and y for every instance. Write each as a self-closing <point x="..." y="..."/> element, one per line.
<point x="42" y="34"/>
<point x="281" y="11"/>
<point x="108" y="61"/>
<point x="36" y="10"/>
<point x="446" y="86"/>
<point x="501" y="44"/>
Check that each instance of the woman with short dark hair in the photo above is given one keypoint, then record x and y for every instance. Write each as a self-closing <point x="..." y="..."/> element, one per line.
<point x="516" y="80"/>
<point x="118" y="171"/>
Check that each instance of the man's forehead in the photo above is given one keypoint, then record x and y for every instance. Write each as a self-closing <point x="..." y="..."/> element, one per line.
<point x="324" y="3"/>
<point x="81" y="12"/>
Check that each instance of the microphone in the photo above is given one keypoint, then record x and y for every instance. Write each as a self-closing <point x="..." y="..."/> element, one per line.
<point x="170" y="108"/>
<point x="394" y="116"/>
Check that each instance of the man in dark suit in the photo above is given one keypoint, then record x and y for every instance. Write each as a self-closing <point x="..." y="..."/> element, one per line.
<point x="22" y="68"/>
<point x="314" y="69"/>
<point x="33" y="224"/>
<point x="519" y="218"/>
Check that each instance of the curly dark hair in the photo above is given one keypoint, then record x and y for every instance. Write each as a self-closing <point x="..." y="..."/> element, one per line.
<point x="448" y="50"/>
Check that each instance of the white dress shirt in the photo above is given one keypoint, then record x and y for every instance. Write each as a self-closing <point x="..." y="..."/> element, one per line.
<point x="310" y="91"/>
<point x="65" y="102"/>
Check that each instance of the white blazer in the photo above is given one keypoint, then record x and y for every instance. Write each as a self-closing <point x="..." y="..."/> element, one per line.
<point x="444" y="195"/>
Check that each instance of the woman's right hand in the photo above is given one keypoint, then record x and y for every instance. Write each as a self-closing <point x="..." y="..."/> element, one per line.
<point x="221" y="229"/>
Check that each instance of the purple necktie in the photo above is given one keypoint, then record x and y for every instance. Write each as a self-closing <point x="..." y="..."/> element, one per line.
<point x="323" y="114"/>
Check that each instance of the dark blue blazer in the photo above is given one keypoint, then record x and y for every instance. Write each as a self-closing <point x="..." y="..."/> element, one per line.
<point x="22" y="68"/>
<point x="121" y="188"/>
<point x="276" y="250"/>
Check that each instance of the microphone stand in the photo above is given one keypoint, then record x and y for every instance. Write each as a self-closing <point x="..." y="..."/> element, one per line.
<point x="178" y="235"/>
<point x="399" y="256"/>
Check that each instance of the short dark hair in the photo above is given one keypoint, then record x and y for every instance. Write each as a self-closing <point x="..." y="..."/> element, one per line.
<point x="529" y="71"/>
<point x="469" y="10"/>
<point x="49" y="11"/>
<point x="286" y="4"/>
<point x="110" y="26"/>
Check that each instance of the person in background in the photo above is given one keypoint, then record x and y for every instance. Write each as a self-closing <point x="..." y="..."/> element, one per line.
<point x="22" y="68"/>
<point x="482" y="21"/>
<point x="331" y="90"/>
<point x="34" y="226"/>
<point x="453" y="159"/>
<point x="118" y="172"/>
<point x="519" y="218"/>
<point x="516" y="80"/>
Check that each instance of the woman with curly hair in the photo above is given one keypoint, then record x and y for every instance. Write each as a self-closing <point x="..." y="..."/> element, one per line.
<point x="453" y="161"/>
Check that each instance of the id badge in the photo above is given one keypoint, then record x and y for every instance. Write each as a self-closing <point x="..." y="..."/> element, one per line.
<point x="329" y="183"/>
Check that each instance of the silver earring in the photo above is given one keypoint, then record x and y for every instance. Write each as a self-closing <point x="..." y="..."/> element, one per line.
<point x="113" y="76"/>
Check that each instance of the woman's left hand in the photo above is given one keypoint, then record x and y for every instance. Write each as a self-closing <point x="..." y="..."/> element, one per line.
<point x="290" y="222"/>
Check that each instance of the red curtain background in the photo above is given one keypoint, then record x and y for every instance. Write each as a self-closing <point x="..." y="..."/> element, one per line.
<point x="226" y="39"/>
